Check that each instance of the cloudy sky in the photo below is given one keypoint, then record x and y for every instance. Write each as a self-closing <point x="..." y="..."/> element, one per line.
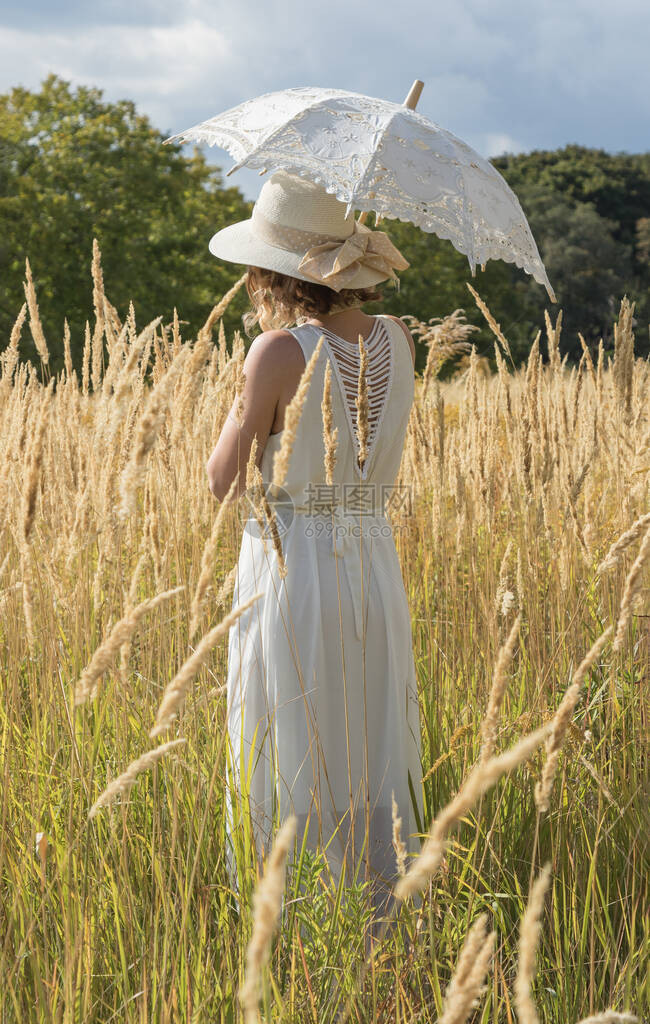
<point x="504" y="75"/>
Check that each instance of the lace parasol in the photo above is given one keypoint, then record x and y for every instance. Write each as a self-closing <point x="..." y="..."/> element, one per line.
<point x="385" y="157"/>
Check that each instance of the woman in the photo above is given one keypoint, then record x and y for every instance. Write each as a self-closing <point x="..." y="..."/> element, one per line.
<point x="322" y="698"/>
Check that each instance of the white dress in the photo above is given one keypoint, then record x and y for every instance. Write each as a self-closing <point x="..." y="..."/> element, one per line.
<point x="323" y="712"/>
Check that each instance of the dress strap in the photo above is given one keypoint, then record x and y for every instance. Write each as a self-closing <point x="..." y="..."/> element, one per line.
<point x="304" y="337"/>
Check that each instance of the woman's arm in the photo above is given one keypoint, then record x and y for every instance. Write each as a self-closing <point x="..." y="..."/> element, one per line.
<point x="268" y="363"/>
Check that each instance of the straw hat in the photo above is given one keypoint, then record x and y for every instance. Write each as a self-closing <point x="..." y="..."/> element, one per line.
<point x="299" y="229"/>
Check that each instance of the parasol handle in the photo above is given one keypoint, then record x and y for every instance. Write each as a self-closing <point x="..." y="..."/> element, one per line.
<point x="410" y="102"/>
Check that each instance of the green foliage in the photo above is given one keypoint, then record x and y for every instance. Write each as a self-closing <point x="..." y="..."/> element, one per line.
<point x="589" y="212"/>
<point x="588" y="267"/>
<point x="73" y="167"/>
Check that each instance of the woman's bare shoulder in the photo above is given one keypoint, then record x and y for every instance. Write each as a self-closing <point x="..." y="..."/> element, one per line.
<point x="273" y="350"/>
<point x="409" y="336"/>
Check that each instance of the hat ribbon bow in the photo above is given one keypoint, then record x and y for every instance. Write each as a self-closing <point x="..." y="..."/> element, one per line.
<point x="336" y="263"/>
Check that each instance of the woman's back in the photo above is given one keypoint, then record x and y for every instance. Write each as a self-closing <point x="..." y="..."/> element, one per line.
<point x="390" y="380"/>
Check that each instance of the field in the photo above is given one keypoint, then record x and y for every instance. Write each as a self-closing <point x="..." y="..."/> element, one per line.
<point x="527" y="549"/>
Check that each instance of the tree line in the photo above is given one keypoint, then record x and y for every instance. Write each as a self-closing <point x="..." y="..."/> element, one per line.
<point x="74" y="167"/>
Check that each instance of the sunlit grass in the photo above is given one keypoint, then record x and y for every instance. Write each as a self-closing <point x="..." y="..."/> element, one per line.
<point x="130" y="916"/>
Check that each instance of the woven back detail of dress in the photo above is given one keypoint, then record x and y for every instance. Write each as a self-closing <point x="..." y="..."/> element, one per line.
<point x="390" y="384"/>
<point x="379" y="371"/>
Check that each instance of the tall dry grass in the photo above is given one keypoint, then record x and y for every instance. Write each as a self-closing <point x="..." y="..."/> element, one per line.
<point x="527" y="527"/>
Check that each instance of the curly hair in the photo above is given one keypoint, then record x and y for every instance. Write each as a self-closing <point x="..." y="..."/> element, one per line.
<point x="279" y="300"/>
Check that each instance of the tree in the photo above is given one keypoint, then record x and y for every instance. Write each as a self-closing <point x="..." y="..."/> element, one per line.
<point x="586" y="208"/>
<point x="73" y="167"/>
<point x="617" y="185"/>
<point x="588" y="268"/>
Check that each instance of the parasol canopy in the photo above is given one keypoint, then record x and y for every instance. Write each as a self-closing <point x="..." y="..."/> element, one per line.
<point x="375" y="155"/>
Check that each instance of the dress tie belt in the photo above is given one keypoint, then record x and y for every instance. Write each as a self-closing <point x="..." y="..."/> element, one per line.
<point x="347" y="527"/>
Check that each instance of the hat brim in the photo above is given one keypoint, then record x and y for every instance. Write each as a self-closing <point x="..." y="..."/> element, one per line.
<point x="238" y="243"/>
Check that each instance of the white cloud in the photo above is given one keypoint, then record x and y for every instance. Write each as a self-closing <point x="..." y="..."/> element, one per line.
<point x="153" y="65"/>
<point x="496" y="143"/>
